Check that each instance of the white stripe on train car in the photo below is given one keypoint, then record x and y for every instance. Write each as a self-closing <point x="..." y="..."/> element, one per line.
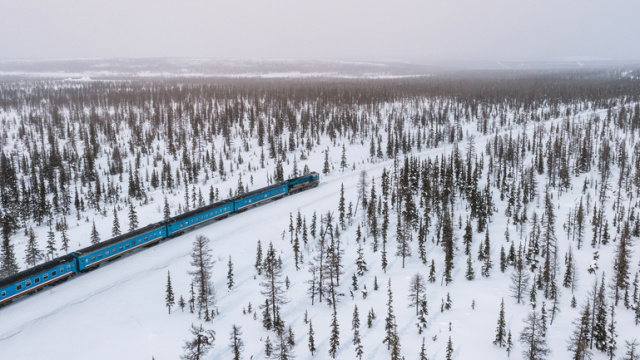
<point x="197" y="223"/>
<point x="257" y="202"/>
<point x="41" y="284"/>
<point x="120" y="253"/>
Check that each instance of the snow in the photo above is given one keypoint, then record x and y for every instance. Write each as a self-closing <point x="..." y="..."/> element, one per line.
<point x="118" y="312"/>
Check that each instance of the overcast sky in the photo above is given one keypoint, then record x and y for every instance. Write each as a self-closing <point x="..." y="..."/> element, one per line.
<point x="405" y="30"/>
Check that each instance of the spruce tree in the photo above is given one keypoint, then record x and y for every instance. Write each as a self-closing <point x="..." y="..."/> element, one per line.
<point x="8" y="264"/>
<point x="326" y="168"/>
<point x="600" y="324"/>
<point x="509" y="344"/>
<point x="230" y="274"/>
<point x="266" y="315"/>
<point x="133" y="217"/>
<point x="258" y="264"/>
<point x="567" y="281"/>
<point x="166" y="211"/>
<point x="268" y="347"/>
<point x="449" y="349"/>
<point x="487" y="264"/>
<point x="355" y="326"/>
<point x="312" y="343"/>
<point x="51" y="242"/>
<point x="422" y="316"/>
<point x="64" y="237"/>
<point x="33" y="255"/>
<point x="579" y="341"/>
<point x="500" y="329"/>
<point x="503" y="260"/>
<point x="467" y="238"/>
<point x="423" y="351"/>
<point x="360" y="261"/>
<point x="370" y="317"/>
<point x="334" y="339"/>
<point x="432" y="271"/>
<point x="115" y="230"/>
<point x="341" y="207"/>
<point x="447" y="240"/>
<point x="611" y="335"/>
<point x="169" y="296"/>
<point x="622" y="263"/>
<point x="95" y="236"/>
<point x="389" y="321"/>
<point x="236" y="345"/>
<point x="470" y="273"/>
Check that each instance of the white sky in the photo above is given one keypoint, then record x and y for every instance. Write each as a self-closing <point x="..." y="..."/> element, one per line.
<point x="407" y="30"/>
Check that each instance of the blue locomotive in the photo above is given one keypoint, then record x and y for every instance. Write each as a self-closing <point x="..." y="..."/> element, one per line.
<point x="63" y="267"/>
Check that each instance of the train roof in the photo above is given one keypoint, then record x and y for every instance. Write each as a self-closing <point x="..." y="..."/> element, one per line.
<point x="118" y="239"/>
<point x="38" y="269"/>
<point x="259" y="191"/>
<point x="199" y="210"/>
<point x="303" y="176"/>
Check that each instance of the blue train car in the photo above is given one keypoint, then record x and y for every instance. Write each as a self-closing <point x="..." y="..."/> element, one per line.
<point x="31" y="279"/>
<point x="300" y="183"/>
<point x="198" y="216"/>
<point x="95" y="254"/>
<point x="252" y="198"/>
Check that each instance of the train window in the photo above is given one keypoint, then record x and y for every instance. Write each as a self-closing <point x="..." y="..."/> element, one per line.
<point x="73" y="265"/>
<point x="19" y="287"/>
<point x="27" y="284"/>
<point x="127" y="245"/>
<point x="93" y="258"/>
<point x="36" y="280"/>
<point x="120" y="247"/>
<point x="68" y="267"/>
<point x="146" y="238"/>
<point x="54" y="273"/>
<point x="100" y="256"/>
<point x="4" y="293"/>
<point x="62" y="269"/>
<point x="45" y="277"/>
<point x="140" y="240"/>
<point x="181" y="225"/>
<point x="107" y="253"/>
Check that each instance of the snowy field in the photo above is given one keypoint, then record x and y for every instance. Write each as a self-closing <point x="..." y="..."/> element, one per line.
<point x="118" y="311"/>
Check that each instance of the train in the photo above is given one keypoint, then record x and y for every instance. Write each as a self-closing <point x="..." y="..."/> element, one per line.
<point x="83" y="260"/>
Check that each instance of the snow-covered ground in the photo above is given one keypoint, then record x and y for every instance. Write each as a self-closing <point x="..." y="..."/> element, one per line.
<point x="118" y="311"/>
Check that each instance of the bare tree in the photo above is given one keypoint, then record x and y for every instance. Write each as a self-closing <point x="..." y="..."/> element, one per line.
<point x="202" y="262"/>
<point x="198" y="347"/>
